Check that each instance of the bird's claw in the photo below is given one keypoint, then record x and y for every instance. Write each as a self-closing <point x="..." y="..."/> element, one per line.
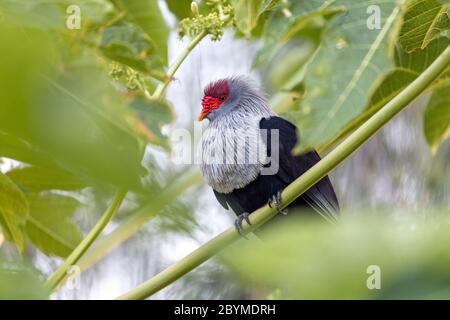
<point x="238" y="223"/>
<point x="276" y="201"/>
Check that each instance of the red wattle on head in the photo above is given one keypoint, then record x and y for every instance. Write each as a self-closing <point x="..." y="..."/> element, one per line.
<point x="214" y="95"/>
<point x="209" y="104"/>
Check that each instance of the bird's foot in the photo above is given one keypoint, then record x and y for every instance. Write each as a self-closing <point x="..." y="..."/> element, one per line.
<point x="276" y="201"/>
<point x="238" y="223"/>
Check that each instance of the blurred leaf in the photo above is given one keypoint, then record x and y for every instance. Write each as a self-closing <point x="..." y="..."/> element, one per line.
<point x="53" y="14"/>
<point x="362" y="55"/>
<point x="177" y="217"/>
<point x="129" y="45"/>
<point x="35" y="179"/>
<point x="314" y="260"/>
<point x="146" y="14"/>
<point x="287" y="72"/>
<point x="13" y="211"/>
<point x="16" y="148"/>
<point x="423" y="21"/>
<point x="153" y="114"/>
<point x="49" y="226"/>
<point x="286" y="23"/>
<point x="72" y="115"/>
<point x="32" y="13"/>
<point x="21" y="283"/>
<point x="91" y="120"/>
<point x="92" y="11"/>
<point x="246" y="13"/>
<point x="436" y="123"/>
<point x="251" y="16"/>
<point x="284" y="101"/>
<point x="180" y="8"/>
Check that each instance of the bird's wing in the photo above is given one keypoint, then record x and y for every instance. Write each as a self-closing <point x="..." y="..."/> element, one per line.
<point x="321" y="197"/>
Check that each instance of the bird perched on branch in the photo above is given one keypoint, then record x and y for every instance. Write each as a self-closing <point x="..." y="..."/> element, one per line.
<point x="246" y="153"/>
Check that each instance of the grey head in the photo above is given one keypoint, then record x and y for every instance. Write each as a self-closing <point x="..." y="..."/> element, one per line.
<point x="233" y="94"/>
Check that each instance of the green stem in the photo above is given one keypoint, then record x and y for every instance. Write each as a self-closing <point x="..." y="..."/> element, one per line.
<point x="176" y="64"/>
<point x="300" y="185"/>
<point x="133" y="223"/>
<point x="76" y="254"/>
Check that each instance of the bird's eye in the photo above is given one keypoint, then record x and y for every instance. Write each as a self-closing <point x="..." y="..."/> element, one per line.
<point x="221" y="98"/>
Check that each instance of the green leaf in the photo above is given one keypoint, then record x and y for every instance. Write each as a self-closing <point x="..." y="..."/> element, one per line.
<point x="128" y="44"/>
<point x="36" y="179"/>
<point x="92" y="122"/>
<point x="13" y="211"/>
<point x="246" y="13"/>
<point x="66" y="110"/>
<point x="146" y="14"/>
<point x="301" y="19"/>
<point x="423" y="21"/>
<point x="16" y="148"/>
<point x="344" y="69"/>
<point x="180" y="8"/>
<point x="94" y="11"/>
<point x="153" y="114"/>
<point x="408" y="66"/>
<point x="52" y="14"/>
<point x="33" y="13"/>
<point x="287" y="71"/>
<point x="18" y="282"/>
<point x="412" y="256"/>
<point x="436" y="122"/>
<point x="49" y="226"/>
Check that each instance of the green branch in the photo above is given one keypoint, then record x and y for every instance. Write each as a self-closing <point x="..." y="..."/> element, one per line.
<point x="300" y="185"/>
<point x="76" y="254"/>
<point x="159" y="91"/>
<point x="134" y="222"/>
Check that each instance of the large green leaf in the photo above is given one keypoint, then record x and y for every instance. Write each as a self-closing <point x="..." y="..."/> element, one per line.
<point x="423" y="21"/>
<point x="408" y="66"/>
<point x="36" y="179"/>
<point x="49" y="226"/>
<point x="344" y="69"/>
<point x="280" y="28"/>
<point x="65" y="109"/>
<point x="436" y="123"/>
<point x="16" y="148"/>
<point x="246" y="13"/>
<point x="53" y="14"/>
<point x="13" y="211"/>
<point x="146" y="14"/>
<point x="94" y="11"/>
<point x="90" y="119"/>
